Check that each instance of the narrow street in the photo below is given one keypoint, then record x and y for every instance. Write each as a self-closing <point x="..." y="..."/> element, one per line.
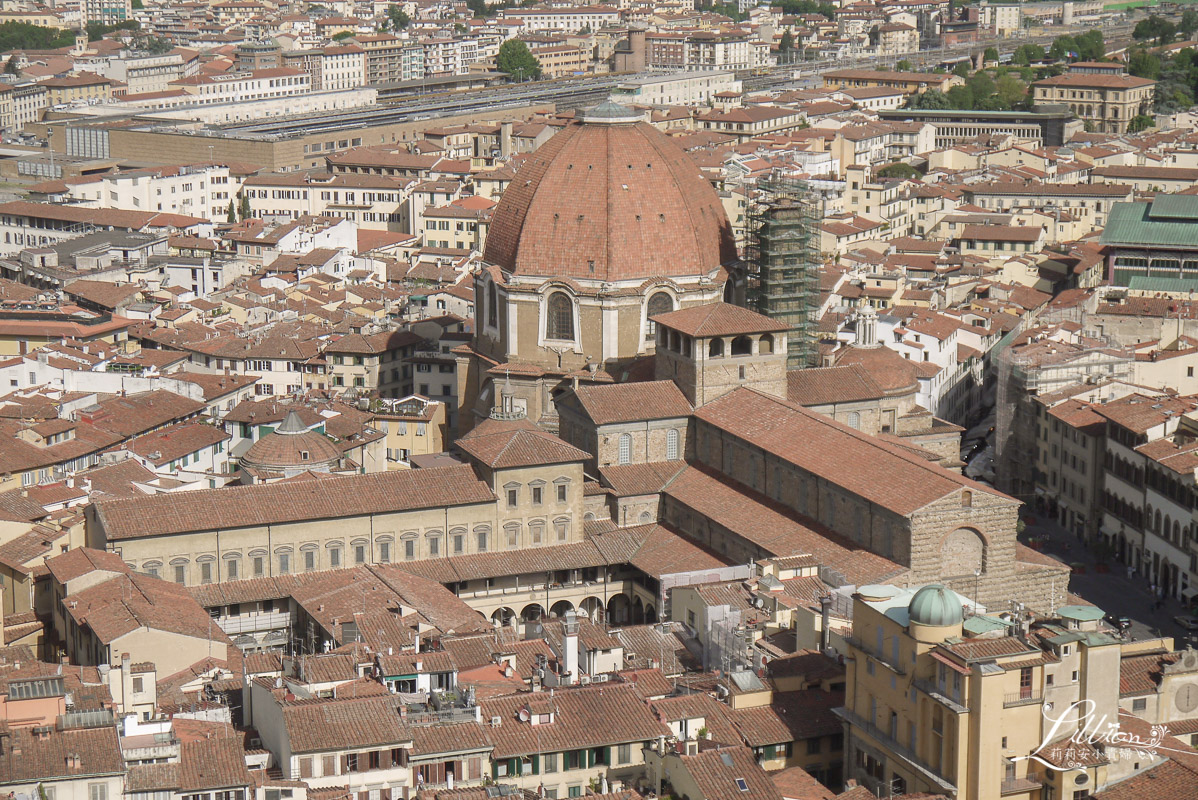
<point x="1114" y="592"/>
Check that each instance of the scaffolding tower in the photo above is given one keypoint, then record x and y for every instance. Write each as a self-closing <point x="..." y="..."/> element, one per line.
<point x="782" y="251"/>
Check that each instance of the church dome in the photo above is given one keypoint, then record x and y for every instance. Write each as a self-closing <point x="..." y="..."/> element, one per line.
<point x="609" y="198"/>
<point x="936" y="606"/>
<point x="292" y="447"/>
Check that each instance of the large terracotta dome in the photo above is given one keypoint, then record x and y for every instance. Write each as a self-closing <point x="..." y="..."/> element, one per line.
<point x="609" y="198"/>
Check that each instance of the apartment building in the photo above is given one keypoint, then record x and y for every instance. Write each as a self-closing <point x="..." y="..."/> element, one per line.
<point x="330" y="68"/>
<point x="240" y="87"/>
<point x="144" y="72"/>
<point x="698" y="50"/>
<point x="107" y="12"/>
<point x="563" y="20"/>
<point x="448" y="56"/>
<point x="374" y="202"/>
<point x="203" y="190"/>
<point x="946" y="699"/>
<point x="389" y="58"/>
<point x="909" y="82"/>
<point x="1106" y="100"/>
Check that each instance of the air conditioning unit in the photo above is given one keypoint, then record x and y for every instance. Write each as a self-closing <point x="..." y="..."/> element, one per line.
<point x="496" y="721"/>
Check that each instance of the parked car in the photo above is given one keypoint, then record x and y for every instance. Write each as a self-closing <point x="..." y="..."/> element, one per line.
<point x="1117" y="622"/>
<point x="1187" y="623"/>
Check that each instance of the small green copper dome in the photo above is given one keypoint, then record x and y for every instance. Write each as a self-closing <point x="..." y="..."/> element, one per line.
<point x="935" y="605"/>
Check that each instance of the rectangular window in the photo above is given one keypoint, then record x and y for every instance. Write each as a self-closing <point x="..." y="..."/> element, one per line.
<point x="309" y="560"/>
<point x="482" y="541"/>
<point x="259" y="566"/>
<point x="409" y="549"/>
<point x="550" y="762"/>
<point x="335" y="557"/>
<point x="206" y="572"/>
<point x="561" y="493"/>
<point x="138" y="684"/>
<point x="512" y="498"/>
<point x="458" y="544"/>
<point x="305" y="767"/>
<point x="180" y="574"/>
<point x="97" y="791"/>
<point x="231" y="570"/>
<point x="385" y="552"/>
<point x="284" y="563"/>
<point x="624" y="754"/>
<point x="328" y="765"/>
<point x="536" y="495"/>
<point x="434" y="546"/>
<point x="359" y="554"/>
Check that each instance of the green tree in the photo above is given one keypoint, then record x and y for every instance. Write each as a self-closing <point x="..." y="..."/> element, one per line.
<point x="792" y="7"/>
<point x="962" y="70"/>
<point x="960" y="97"/>
<point x="1155" y="27"/>
<point x="1189" y="23"/>
<point x="1140" y="122"/>
<point x="398" y="18"/>
<point x="788" y="42"/>
<point x="154" y="44"/>
<point x="897" y="170"/>
<point x="1143" y="64"/>
<point x="96" y="30"/>
<point x="904" y="66"/>
<point x="10" y="66"/>
<point x="1090" y="46"/>
<point x="243" y="206"/>
<point x="515" y="59"/>
<point x="137" y="5"/>
<point x="991" y="54"/>
<point x="1010" y="90"/>
<point x="729" y="10"/>
<point x="931" y="99"/>
<point x="1025" y="54"/>
<point x="231" y="213"/>
<point x="21" y="36"/>
<point x="1062" y="46"/>
<point x="982" y="86"/>
<point x="341" y="36"/>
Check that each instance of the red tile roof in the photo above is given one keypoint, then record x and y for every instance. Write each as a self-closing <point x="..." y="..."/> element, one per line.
<point x="244" y="506"/>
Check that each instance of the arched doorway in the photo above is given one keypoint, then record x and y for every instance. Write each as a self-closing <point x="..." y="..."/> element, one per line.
<point x="592" y="609"/>
<point x="532" y="612"/>
<point x="503" y="617"/>
<point x="650" y="614"/>
<point x="560" y="608"/>
<point x="638" y="611"/>
<point x="619" y="610"/>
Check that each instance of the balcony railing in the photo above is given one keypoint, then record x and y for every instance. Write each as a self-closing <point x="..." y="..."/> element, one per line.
<point x="1029" y="783"/>
<point x="1022" y="698"/>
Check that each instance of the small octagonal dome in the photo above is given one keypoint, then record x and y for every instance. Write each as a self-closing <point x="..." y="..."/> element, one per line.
<point x="292" y="448"/>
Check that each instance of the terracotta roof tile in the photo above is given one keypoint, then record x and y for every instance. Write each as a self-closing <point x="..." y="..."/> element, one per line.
<point x="243" y="506"/>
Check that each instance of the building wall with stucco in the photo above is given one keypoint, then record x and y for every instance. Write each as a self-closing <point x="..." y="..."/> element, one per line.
<point x="284" y="548"/>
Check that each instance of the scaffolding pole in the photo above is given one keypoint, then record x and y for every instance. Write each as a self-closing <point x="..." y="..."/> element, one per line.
<point x="782" y="251"/>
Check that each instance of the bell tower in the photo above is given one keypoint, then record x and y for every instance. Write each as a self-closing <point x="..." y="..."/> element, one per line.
<point x="710" y="350"/>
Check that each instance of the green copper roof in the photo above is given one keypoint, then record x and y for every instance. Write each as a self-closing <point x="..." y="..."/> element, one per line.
<point x="1175" y="225"/>
<point x="1080" y="613"/>
<point x="936" y="605"/>
<point x="1170" y="285"/>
